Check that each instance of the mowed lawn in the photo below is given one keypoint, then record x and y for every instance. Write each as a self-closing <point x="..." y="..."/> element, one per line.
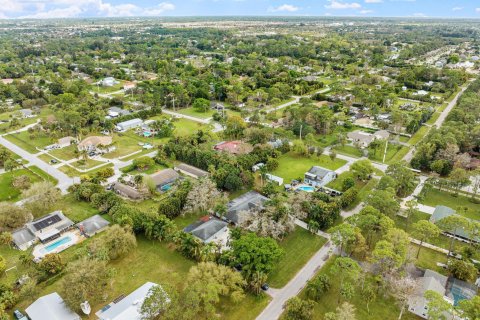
<point x="299" y="247"/>
<point x="185" y="127"/>
<point x="197" y="114"/>
<point x="293" y="166"/>
<point x="381" y="308"/>
<point x="29" y="143"/>
<point x="435" y="197"/>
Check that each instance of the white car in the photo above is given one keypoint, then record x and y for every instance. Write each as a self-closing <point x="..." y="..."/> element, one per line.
<point x="147" y="146"/>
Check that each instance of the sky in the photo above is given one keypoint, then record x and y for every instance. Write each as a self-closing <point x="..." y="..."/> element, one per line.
<point x="123" y="8"/>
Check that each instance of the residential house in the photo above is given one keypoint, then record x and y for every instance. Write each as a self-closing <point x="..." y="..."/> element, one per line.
<point x="50" y="226"/>
<point x="319" y="177"/>
<point x="114" y="112"/>
<point x="190" y="171"/>
<point x="127" y="308"/>
<point x="209" y="229"/>
<point x="251" y="200"/>
<point x="93" y="225"/>
<point x="258" y="166"/>
<point x="234" y="147"/>
<point x="129" y="85"/>
<point x="23" y="238"/>
<point x="7" y="81"/>
<point x="27" y="113"/>
<point x="95" y="142"/>
<point x="274" y="179"/>
<point x="164" y="178"/>
<point x="129" y="124"/>
<point x="442" y="212"/>
<point x="108" y="82"/>
<point x="50" y="307"/>
<point x="363" y="139"/>
<point x="432" y="281"/>
<point x="126" y="191"/>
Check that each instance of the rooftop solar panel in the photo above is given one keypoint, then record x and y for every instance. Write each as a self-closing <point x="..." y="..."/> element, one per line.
<point x="42" y="224"/>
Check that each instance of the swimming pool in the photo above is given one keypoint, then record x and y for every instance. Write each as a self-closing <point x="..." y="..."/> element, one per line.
<point x="58" y="243"/>
<point x="306" y="188"/>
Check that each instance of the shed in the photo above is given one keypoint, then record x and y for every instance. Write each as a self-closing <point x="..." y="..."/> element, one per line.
<point x="191" y="171"/>
<point x="93" y="225"/>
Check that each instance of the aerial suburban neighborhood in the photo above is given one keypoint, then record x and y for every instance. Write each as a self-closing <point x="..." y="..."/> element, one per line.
<point x="257" y="167"/>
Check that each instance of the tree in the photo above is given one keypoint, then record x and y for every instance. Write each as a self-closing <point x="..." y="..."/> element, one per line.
<point x="369" y="294"/>
<point x="51" y="264"/>
<point x="470" y="309"/>
<point x="348" y="183"/>
<point x="437" y="306"/>
<point x="452" y="224"/>
<point x="424" y="230"/>
<point x="362" y="169"/>
<point x="459" y="179"/>
<point x="385" y="257"/>
<point x="41" y="196"/>
<point x="462" y="270"/>
<point x="402" y="289"/>
<point x="115" y="242"/>
<point x="3" y="264"/>
<point x="201" y="105"/>
<point x="235" y="126"/>
<point x="85" y="280"/>
<point x="343" y="235"/>
<point x="318" y="286"/>
<point x="299" y="309"/>
<point x="12" y="216"/>
<point x="21" y="182"/>
<point x="155" y="303"/>
<point x="403" y="176"/>
<point x="384" y="201"/>
<point x="210" y="282"/>
<point x="257" y="255"/>
<point x="202" y="196"/>
<point x="411" y="209"/>
<point x="345" y="311"/>
<point x="347" y="270"/>
<point x="143" y="163"/>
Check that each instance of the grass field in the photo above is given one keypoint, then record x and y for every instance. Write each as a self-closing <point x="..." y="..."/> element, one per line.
<point x="418" y="136"/>
<point x="9" y="193"/>
<point x="435" y="197"/>
<point x="398" y="156"/>
<point x="381" y="308"/>
<point x="293" y="166"/>
<point x="428" y="258"/>
<point x="86" y="164"/>
<point x="194" y="113"/>
<point x="26" y="142"/>
<point x="66" y="153"/>
<point x="392" y="151"/>
<point x="185" y="127"/>
<point x="71" y="172"/>
<point x="349" y="151"/>
<point x="299" y="247"/>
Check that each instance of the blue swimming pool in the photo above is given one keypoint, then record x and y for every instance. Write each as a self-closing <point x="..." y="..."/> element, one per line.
<point x="458" y="295"/>
<point x="58" y="243"/>
<point x="306" y="188"/>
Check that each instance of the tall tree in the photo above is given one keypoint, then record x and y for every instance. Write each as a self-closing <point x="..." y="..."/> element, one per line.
<point x="424" y="230"/>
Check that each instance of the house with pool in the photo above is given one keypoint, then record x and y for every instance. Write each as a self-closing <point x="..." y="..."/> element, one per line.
<point x="319" y="177"/>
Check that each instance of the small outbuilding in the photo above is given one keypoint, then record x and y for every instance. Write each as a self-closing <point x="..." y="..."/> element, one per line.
<point x="50" y="307"/>
<point x="93" y="225"/>
<point x="191" y="171"/>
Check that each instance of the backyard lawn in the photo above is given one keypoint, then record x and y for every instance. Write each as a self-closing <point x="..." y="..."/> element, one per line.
<point x="299" y="247"/>
<point x="185" y="127"/>
<point x="435" y="197"/>
<point x="418" y="136"/>
<point x="380" y="309"/>
<point x="66" y="153"/>
<point x="428" y="258"/>
<point x="349" y="151"/>
<point x="293" y="166"/>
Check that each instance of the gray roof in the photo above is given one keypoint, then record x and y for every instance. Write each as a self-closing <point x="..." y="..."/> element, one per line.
<point x="164" y="177"/>
<point x="129" y="307"/>
<point x="93" y="224"/>
<point x="206" y="230"/>
<point x="131" y="122"/>
<point x="248" y="201"/>
<point x="126" y="191"/>
<point x="443" y="212"/>
<point x="120" y="111"/>
<point x="50" y="307"/>
<point x="191" y="170"/>
<point x="319" y="171"/>
<point x="22" y="236"/>
<point x="56" y="218"/>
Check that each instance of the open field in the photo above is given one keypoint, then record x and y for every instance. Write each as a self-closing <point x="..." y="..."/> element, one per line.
<point x="66" y="153"/>
<point x="293" y="166"/>
<point x="418" y="136"/>
<point x="300" y="244"/>
<point x="9" y="193"/>
<point x="197" y="114"/>
<point x="29" y="143"/>
<point x="86" y="164"/>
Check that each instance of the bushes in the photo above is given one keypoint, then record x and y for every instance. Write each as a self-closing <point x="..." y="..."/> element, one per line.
<point x="173" y="205"/>
<point x="348" y="197"/>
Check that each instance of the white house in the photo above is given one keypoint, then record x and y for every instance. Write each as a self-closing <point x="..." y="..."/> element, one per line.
<point x="129" y="124"/>
<point x="275" y="179"/>
<point x="128" y="308"/>
<point x="50" y="307"/>
<point x="319" y="177"/>
<point x="209" y="229"/>
<point x="108" y="82"/>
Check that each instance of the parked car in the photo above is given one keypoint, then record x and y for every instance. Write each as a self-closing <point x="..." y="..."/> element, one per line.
<point x="53" y="161"/>
<point x="265" y="287"/>
<point x="19" y="316"/>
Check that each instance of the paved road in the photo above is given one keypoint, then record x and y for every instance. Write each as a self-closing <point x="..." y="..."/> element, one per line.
<point x="64" y="181"/>
<point x="441" y="119"/>
<point x="275" y="307"/>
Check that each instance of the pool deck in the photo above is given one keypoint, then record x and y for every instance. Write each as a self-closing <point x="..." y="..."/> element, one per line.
<point x="39" y="251"/>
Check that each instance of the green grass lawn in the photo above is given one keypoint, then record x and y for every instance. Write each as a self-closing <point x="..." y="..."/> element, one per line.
<point x="197" y="114"/>
<point x="349" y="151"/>
<point x="86" y="164"/>
<point x="8" y="192"/>
<point x="72" y="172"/>
<point x="299" y="247"/>
<point x="45" y="157"/>
<point x="392" y="150"/>
<point x="66" y="153"/>
<point x="293" y="166"/>
<point x="418" y="136"/>
<point x="101" y="89"/>
<point x="435" y="197"/>
<point x="428" y="258"/>
<point x="42" y="174"/>
<point x="185" y="127"/>
<point x="25" y="141"/>
<point x="364" y="190"/>
<point x="381" y="308"/>
<point x="398" y="156"/>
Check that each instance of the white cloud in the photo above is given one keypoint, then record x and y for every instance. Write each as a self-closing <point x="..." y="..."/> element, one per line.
<point x="457" y="8"/>
<point x="366" y="11"/>
<point x="334" y="4"/>
<point x="41" y="9"/>
<point x="373" y="1"/>
<point x="419" y="15"/>
<point x="284" y="8"/>
<point x="477" y="9"/>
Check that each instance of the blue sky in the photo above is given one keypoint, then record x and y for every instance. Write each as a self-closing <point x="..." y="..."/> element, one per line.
<point x="117" y="8"/>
